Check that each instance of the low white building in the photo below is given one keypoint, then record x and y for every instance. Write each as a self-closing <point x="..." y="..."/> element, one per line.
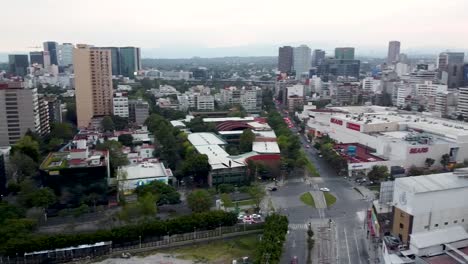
<point x="142" y="174"/>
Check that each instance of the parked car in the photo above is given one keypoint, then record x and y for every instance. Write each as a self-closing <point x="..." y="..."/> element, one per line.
<point x="294" y="260"/>
<point x="307" y="146"/>
<point x="324" y="189"/>
<point x="273" y="189"/>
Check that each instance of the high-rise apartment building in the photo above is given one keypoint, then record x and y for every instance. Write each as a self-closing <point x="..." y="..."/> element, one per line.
<point x="301" y="60"/>
<point x="19" y="112"/>
<point x="115" y="58"/>
<point x="138" y="111"/>
<point x="36" y="57"/>
<point x="318" y="57"/>
<point x="249" y="98"/>
<point x="52" y="50"/>
<point x="93" y="83"/>
<point x="130" y="61"/>
<point x="65" y="54"/>
<point x="344" y="53"/>
<point x="393" y="51"/>
<point x="450" y="65"/>
<point x="55" y="109"/>
<point x="43" y="111"/>
<point x="285" y="59"/>
<point x="18" y="64"/>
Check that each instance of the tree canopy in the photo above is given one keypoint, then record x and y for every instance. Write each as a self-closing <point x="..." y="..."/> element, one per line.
<point x="165" y="193"/>
<point x="107" y="124"/>
<point x="378" y="173"/>
<point x="200" y="201"/>
<point x="117" y="158"/>
<point x="27" y="146"/>
<point x="246" y="140"/>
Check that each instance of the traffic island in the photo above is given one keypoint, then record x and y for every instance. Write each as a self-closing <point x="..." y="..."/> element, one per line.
<point x="330" y="199"/>
<point x="307" y="199"/>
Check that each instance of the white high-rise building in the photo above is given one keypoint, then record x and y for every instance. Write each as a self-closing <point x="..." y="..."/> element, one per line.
<point x="249" y="98"/>
<point x="120" y="104"/>
<point x="463" y="101"/>
<point x="302" y="59"/>
<point x="205" y="102"/>
<point x="402" y="69"/>
<point x="404" y="90"/>
<point x="65" y="54"/>
<point x="429" y="89"/>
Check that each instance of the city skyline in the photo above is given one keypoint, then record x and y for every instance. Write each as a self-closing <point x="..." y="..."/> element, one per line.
<point x="167" y="30"/>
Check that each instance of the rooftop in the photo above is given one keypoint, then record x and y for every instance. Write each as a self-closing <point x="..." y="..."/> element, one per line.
<point x="204" y="138"/>
<point x="146" y="170"/>
<point x="224" y="119"/>
<point x="65" y="159"/>
<point x="266" y="147"/>
<point x="434" y="182"/>
<point x="357" y="153"/>
<point x="438" y="237"/>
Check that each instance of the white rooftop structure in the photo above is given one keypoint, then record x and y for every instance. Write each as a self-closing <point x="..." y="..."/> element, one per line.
<point x="203" y="138"/>
<point x="224" y="119"/>
<point x="266" y="147"/>
<point x="438" y="237"/>
<point x="433" y="182"/>
<point x="143" y="173"/>
<point x="177" y="123"/>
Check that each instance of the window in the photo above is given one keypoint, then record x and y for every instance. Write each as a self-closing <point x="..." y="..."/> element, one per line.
<point x="446" y="223"/>
<point x="456" y="221"/>
<point x="436" y="225"/>
<point x="402" y="226"/>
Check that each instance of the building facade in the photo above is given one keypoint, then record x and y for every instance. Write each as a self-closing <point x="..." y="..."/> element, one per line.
<point x="65" y="54"/>
<point x="344" y="53"/>
<point x="18" y="64"/>
<point x="301" y="60"/>
<point x="318" y="57"/>
<point x="285" y="59"/>
<point x="19" y="112"/>
<point x="93" y="83"/>
<point x="52" y="48"/>
<point x="393" y="52"/>
<point x="115" y="59"/>
<point x="138" y="111"/>
<point x="36" y="57"/>
<point x="130" y="61"/>
<point x="120" y="104"/>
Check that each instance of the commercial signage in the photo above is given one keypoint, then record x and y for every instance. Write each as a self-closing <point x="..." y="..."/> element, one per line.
<point x="336" y="121"/>
<point x="353" y="126"/>
<point x="357" y="166"/>
<point x="418" y="150"/>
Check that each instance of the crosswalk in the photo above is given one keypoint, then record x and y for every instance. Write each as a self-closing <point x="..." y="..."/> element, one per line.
<point x="297" y="226"/>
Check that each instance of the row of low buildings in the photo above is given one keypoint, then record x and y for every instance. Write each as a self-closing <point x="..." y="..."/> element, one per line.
<point x="372" y="135"/>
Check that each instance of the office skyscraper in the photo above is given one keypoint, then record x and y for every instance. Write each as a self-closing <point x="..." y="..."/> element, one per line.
<point x="115" y="57"/>
<point x="18" y="64"/>
<point x="36" y="57"/>
<point x="301" y="60"/>
<point x="318" y="57"/>
<point x="52" y="48"/>
<point x="285" y="59"/>
<point x="65" y="54"/>
<point x="93" y="83"/>
<point x="130" y="61"/>
<point x="450" y="65"/>
<point x="344" y="53"/>
<point x="393" y="51"/>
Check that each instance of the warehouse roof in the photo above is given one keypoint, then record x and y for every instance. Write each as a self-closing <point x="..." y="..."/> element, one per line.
<point x="266" y="147"/>
<point x="438" y="237"/>
<point x="200" y="139"/>
<point x="433" y="182"/>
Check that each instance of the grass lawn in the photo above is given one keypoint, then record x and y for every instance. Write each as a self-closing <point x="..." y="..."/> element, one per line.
<point x="243" y="203"/>
<point x="220" y="251"/>
<point x="374" y="188"/>
<point x="329" y="198"/>
<point x="307" y="199"/>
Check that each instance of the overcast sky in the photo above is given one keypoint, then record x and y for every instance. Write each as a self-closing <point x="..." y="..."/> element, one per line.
<point x="202" y="24"/>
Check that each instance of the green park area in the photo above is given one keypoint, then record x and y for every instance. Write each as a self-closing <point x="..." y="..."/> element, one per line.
<point x="307" y="199"/>
<point x="220" y="251"/>
<point x="330" y="199"/>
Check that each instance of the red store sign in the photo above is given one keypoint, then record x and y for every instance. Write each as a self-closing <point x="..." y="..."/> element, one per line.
<point x="418" y="150"/>
<point x="336" y="121"/>
<point x="353" y="126"/>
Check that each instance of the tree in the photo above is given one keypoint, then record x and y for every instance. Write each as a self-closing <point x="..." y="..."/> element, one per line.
<point x="27" y="146"/>
<point x="257" y="193"/>
<point x="421" y="108"/>
<point x="146" y="83"/>
<point x="445" y="160"/>
<point x="226" y="188"/>
<point x="200" y="201"/>
<point x="196" y="165"/>
<point x="460" y="117"/>
<point x="107" y="124"/>
<point x="408" y="108"/>
<point x="147" y="204"/>
<point x="378" y="173"/>
<point x="429" y="162"/>
<point x="226" y="199"/>
<point x="70" y="116"/>
<point x="21" y="167"/>
<point x="126" y="140"/>
<point x="43" y="198"/>
<point x="120" y="123"/>
<point x="62" y="131"/>
<point x="54" y="143"/>
<point x="165" y="193"/>
<point x="246" y="140"/>
<point x="415" y="171"/>
<point x="117" y="158"/>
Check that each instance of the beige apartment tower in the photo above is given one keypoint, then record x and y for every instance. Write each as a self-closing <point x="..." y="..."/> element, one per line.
<point x="93" y="83"/>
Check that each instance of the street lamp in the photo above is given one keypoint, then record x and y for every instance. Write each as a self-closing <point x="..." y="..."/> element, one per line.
<point x="194" y="233"/>
<point x="139" y="237"/>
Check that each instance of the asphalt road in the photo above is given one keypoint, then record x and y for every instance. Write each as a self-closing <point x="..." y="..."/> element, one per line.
<point x="344" y="242"/>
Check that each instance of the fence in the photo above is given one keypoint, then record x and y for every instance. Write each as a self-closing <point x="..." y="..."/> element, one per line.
<point x="77" y="253"/>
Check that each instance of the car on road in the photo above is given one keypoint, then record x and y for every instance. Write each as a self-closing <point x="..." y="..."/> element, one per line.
<point x="294" y="260"/>
<point x="272" y="189"/>
<point x="324" y="189"/>
<point x="320" y="155"/>
<point x="307" y="146"/>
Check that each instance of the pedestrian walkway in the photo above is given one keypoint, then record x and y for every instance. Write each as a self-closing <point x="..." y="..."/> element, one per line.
<point x="319" y="199"/>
